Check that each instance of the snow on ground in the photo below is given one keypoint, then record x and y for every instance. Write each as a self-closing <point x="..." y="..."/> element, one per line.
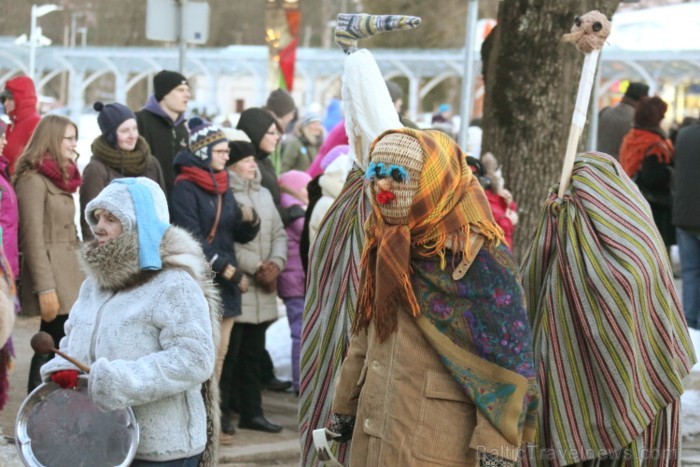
<point x="690" y="401"/>
<point x="278" y="342"/>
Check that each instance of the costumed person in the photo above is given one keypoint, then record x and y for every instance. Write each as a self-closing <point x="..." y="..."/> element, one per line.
<point x="610" y="342"/>
<point x="147" y="323"/>
<point x="46" y="177"/>
<point x="332" y="283"/>
<point x="646" y="155"/>
<point x="504" y="209"/>
<point x="301" y="148"/>
<point x="118" y="152"/>
<point x="19" y="100"/>
<point x="202" y="203"/>
<point x="292" y="280"/>
<point x="441" y="342"/>
<point x="262" y="260"/>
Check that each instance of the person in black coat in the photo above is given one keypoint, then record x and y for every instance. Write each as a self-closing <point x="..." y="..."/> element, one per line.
<point x="264" y="132"/>
<point x="202" y="203"/>
<point x="162" y="121"/>
<point x="686" y="218"/>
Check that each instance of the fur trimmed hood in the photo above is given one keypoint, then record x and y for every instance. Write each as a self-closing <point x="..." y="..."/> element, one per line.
<point x="115" y="266"/>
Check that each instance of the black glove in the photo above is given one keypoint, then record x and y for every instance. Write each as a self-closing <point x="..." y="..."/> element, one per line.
<point x="294" y="212"/>
<point x="343" y="425"/>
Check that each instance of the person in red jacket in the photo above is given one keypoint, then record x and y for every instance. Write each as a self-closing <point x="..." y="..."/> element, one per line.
<point x="505" y="211"/>
<point x="19" y="100"/>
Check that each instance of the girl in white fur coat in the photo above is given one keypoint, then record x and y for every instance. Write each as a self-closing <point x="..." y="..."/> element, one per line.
<point x="146" y="321"/>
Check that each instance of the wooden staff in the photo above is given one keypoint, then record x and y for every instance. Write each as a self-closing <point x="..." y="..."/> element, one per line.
<point x="589" y="32"/>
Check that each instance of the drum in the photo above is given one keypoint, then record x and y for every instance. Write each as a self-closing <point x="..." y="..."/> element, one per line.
<point x="59" y="427"/>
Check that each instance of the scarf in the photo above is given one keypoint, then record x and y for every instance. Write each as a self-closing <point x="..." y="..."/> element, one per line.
<point x="49" y="168"/>
<point x="640" y="143"/>
<point x="478" y="324"/>
<point x="448" y="204"/>
<point x="215" y="183"/>
<point x="130" y="164"/>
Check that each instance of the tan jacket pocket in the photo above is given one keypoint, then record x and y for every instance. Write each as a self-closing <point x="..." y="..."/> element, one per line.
<point x="447" y="420"/>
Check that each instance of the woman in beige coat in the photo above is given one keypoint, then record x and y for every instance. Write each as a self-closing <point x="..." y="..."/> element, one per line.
<point x="46" y="177"/>
<point x="262" y="260"/>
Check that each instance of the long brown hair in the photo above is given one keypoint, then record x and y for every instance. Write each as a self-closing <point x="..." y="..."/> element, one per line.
<point x="45" y="142"/>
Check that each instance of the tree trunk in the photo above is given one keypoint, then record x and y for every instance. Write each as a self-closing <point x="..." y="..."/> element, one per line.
<point x="531" y="83"/>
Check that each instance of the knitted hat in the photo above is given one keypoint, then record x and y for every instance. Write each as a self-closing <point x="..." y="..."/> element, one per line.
<point x="255" y="122"/>
<point x="165" y="81"/>
<point x="204" y="136"/>
<point x="636" y="91"/>
<point x="394" y="90"/>
<point x="309" y="118"/>
<point x="294" y="180"/>
<point x="444" y="108"/>
<point x="240" y="146"/>
<point x="333" y="155"/>
<point x="280" y="102"/>
<point x="110" y="117"/>
<point x="139" y="204"/>
<point x="405" y="151"/>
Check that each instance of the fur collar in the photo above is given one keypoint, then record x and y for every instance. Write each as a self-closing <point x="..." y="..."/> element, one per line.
<point x="115" y="266"/>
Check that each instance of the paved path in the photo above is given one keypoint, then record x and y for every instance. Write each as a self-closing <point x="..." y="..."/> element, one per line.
<point x="251" y="448"/>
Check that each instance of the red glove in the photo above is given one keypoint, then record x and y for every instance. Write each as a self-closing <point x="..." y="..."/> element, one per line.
<point x="67" y="379"/>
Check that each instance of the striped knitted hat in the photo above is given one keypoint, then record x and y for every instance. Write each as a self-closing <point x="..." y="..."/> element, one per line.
<point x="203" y="136"/>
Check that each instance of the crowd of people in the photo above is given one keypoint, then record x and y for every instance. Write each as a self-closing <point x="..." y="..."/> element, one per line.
<point x="663" y="165"/>
<point x="191" y="237"/>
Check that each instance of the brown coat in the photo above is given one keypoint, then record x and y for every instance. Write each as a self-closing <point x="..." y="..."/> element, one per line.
<point x="48" y="240"/>
<point x="409" y="410"/>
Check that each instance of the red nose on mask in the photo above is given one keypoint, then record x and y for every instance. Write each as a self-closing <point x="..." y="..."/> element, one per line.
<point x="384" y="197"/>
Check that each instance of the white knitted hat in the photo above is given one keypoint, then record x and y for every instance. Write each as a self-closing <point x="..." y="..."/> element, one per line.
<point x="116" y="199"/>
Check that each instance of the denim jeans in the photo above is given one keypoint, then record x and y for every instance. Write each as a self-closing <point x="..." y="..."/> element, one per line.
<point x="689" y="249"/>
<point x="188" y="462"/>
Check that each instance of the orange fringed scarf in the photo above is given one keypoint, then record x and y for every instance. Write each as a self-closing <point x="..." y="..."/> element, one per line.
<point x="638" y="144"/>
<point x="448" y="204"/>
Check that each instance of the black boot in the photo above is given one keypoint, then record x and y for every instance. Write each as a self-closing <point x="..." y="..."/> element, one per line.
<point x="34" y="370"/>
<point x="227" y="423"/>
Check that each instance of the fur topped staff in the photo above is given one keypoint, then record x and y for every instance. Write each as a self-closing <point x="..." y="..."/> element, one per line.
<point x="589" y="33"/>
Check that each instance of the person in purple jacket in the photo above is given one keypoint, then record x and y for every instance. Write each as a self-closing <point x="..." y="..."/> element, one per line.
<point x="291" y="283"/>
<point x="9" y="221"/>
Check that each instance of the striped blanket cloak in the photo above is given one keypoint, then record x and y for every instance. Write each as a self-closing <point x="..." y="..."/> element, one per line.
<point x="334" y="275"/>
<point x="610" y="340"/>
<point x="329" y="309"/>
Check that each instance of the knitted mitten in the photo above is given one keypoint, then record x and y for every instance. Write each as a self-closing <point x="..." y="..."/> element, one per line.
<point x="353" y="27"/>
<point x="343" y="425"/>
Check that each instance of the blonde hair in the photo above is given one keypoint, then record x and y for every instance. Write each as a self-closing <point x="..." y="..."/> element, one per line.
<point x="45" y="142"/>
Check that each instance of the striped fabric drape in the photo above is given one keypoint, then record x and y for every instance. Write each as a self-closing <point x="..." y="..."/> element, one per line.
<point x="329" y="310"/>
<point x="610" y="340"/>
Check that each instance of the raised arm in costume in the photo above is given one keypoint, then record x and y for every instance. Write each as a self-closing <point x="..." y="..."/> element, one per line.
<point x="333" y="277"/>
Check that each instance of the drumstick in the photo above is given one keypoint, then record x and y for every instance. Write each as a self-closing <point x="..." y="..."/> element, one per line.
<point x="42" y="343"/>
